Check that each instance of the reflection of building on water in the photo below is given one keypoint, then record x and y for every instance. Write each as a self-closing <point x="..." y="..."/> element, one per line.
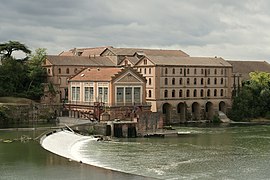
<point x="107" y="83"/>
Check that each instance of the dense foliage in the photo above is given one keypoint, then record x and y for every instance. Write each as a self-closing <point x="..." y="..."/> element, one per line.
<point x="21" y="78"/>
<point x="253" y="100"/>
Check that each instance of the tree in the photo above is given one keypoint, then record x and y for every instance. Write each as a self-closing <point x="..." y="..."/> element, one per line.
<point x="6" y="49"/>
<point x="36" y="73"/>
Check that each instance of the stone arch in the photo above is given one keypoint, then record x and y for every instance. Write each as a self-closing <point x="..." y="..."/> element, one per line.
<point x="166" y="111"/>
<point x="181" y="110"/>
<point x="209" y="110"/>
<point x="195" y="109"/>
<point x="222" y="107"/>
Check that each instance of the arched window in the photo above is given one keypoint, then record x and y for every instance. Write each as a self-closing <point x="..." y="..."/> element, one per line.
<point x="166" y="81"/>
<point x="173" y="71"/>
<point x="208" y="93"/>
<point x="221" y="92"/>
<point x="195" y="81"/>
<point x="215" y="81"/>
<point x="188" y="81"/>
<point x="149" y="93"/>
<point x="173" y="93"/>
<point x="173" y="81"/>
<point x="187" y="71"/>
<point x="201" y="81"/>
<point x="166" y="93"/>
<point x="215" y="92"/>
<point x="188" y="93"/>
<point x="202" y="93"/>
<point x="180" y="81"/>
<point x="67" y="70"/>
<point x="221" y="81"/>
<point x="195" y="93"/>
<point x="145" y="61"/>
<point x="166" y="70"/>
<point x="208" y="81"/>
<point x="59" y="70"/>
<point x="180" y="93"/>
<point x="149" y="81"/>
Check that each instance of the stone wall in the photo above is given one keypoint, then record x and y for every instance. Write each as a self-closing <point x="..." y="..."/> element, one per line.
<point x="149" y="122"/>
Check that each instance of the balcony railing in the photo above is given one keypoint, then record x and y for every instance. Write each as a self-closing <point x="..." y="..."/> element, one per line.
<point x="81" y="103"/>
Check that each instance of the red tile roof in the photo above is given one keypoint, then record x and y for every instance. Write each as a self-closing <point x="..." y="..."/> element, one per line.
<point x="96" y="74"/>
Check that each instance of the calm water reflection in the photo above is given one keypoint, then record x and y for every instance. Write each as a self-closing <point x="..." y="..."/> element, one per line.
<point x="211" y="153"/>
<point x="26" y="161"/>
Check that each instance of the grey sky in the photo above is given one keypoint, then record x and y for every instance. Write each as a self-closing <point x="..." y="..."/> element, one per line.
<point x="227" y="28"/>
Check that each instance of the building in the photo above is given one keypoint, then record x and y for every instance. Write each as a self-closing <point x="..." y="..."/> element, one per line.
<point x="181" y="87"/>
<point x="61" y="68"/>
<point x="117" y="92"/>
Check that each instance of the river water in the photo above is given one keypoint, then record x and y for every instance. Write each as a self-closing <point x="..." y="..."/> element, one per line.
<point x="207" y="153"/>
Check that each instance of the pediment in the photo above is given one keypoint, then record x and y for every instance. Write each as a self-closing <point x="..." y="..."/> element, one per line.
<point x="129" y="78"/>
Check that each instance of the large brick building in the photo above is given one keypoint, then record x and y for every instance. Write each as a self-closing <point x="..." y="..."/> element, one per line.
<point x="181" y="87"/>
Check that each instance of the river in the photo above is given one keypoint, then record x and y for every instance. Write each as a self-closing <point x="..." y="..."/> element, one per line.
<point x="239" y="152"/>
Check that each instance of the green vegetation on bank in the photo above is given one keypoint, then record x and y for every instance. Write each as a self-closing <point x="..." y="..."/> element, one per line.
<point x="21" y="77"/>
<point x="253" y="100"/>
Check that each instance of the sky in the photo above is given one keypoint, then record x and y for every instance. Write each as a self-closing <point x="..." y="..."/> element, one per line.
<point x="232" y="29"/>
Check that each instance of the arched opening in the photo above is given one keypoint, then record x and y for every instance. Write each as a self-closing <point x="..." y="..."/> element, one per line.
<point x="222" y="107"/>
<point x="209" y="110"/>
<point x="166" y="110"/>
<point x="195" y="111"/>
<point x="181" y="110"/>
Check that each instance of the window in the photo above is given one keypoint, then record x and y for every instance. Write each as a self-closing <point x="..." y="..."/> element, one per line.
<point x="188" y="93"/>
<point x="180" y="81"/>
<point x="137" y="95"/>
<point x="144" y="70"/>
<point x="149" y="81"/>
<point x="202" y="93"/>
<point x="126" y="62"/>
<point x="201" y="81"/>
<point x="67" y="70"/>
<point x="166" y="70"/>
<point x="221" y="92"/>
<point x="195" y="71"/>
<point x="195" y="81"/>
<point x="221" y="81"/>
<point x="180" y="93"/>
<point x="49" y="71"/>
<point x="120" y="95"/>
<point x="75" y="70"/>
<point x="166" y="81"/>
<point x="140" y="70"/>
<point x="166" y="93"/>
<point x="188" y="81"/>
<point x="173" y="81"/>
<point x="187" y="71"/>
<point x="215" y="81"/>
<point x="149" y="93"/>
<point x="103" y="94"/>
<point x="173" y="93"/>
<point x="181" y="71"/>
<point x="195" y="93"/>
<point x="215" y="92"/>
<point x="208" y="81"/>
<point x="201" y="71"/>
<point x="208" y="71"/>
<point x="208" y="92"/>
<point x="150" y="71"/>
<point x="173" y="71"/>
<point x="75" y="93"/>
<point x="215" y="71"/>
<point x="88" y="94"/>
<point x="128" y="94"/>
<point x="221" y="71"/>
<point x="145" y="61"/>
<point x="59" y="70"/>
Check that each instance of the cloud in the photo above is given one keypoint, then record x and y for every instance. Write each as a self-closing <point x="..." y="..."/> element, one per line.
<point x="228" y="28"/>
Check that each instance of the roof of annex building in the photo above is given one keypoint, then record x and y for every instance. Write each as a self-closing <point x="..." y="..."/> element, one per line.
<point x="78" y="60"/>
<point x="245" y="67"/>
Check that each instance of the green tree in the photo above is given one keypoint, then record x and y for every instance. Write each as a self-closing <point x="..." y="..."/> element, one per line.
<point x="36" y="73"/>
<point x="6" y="49"/>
